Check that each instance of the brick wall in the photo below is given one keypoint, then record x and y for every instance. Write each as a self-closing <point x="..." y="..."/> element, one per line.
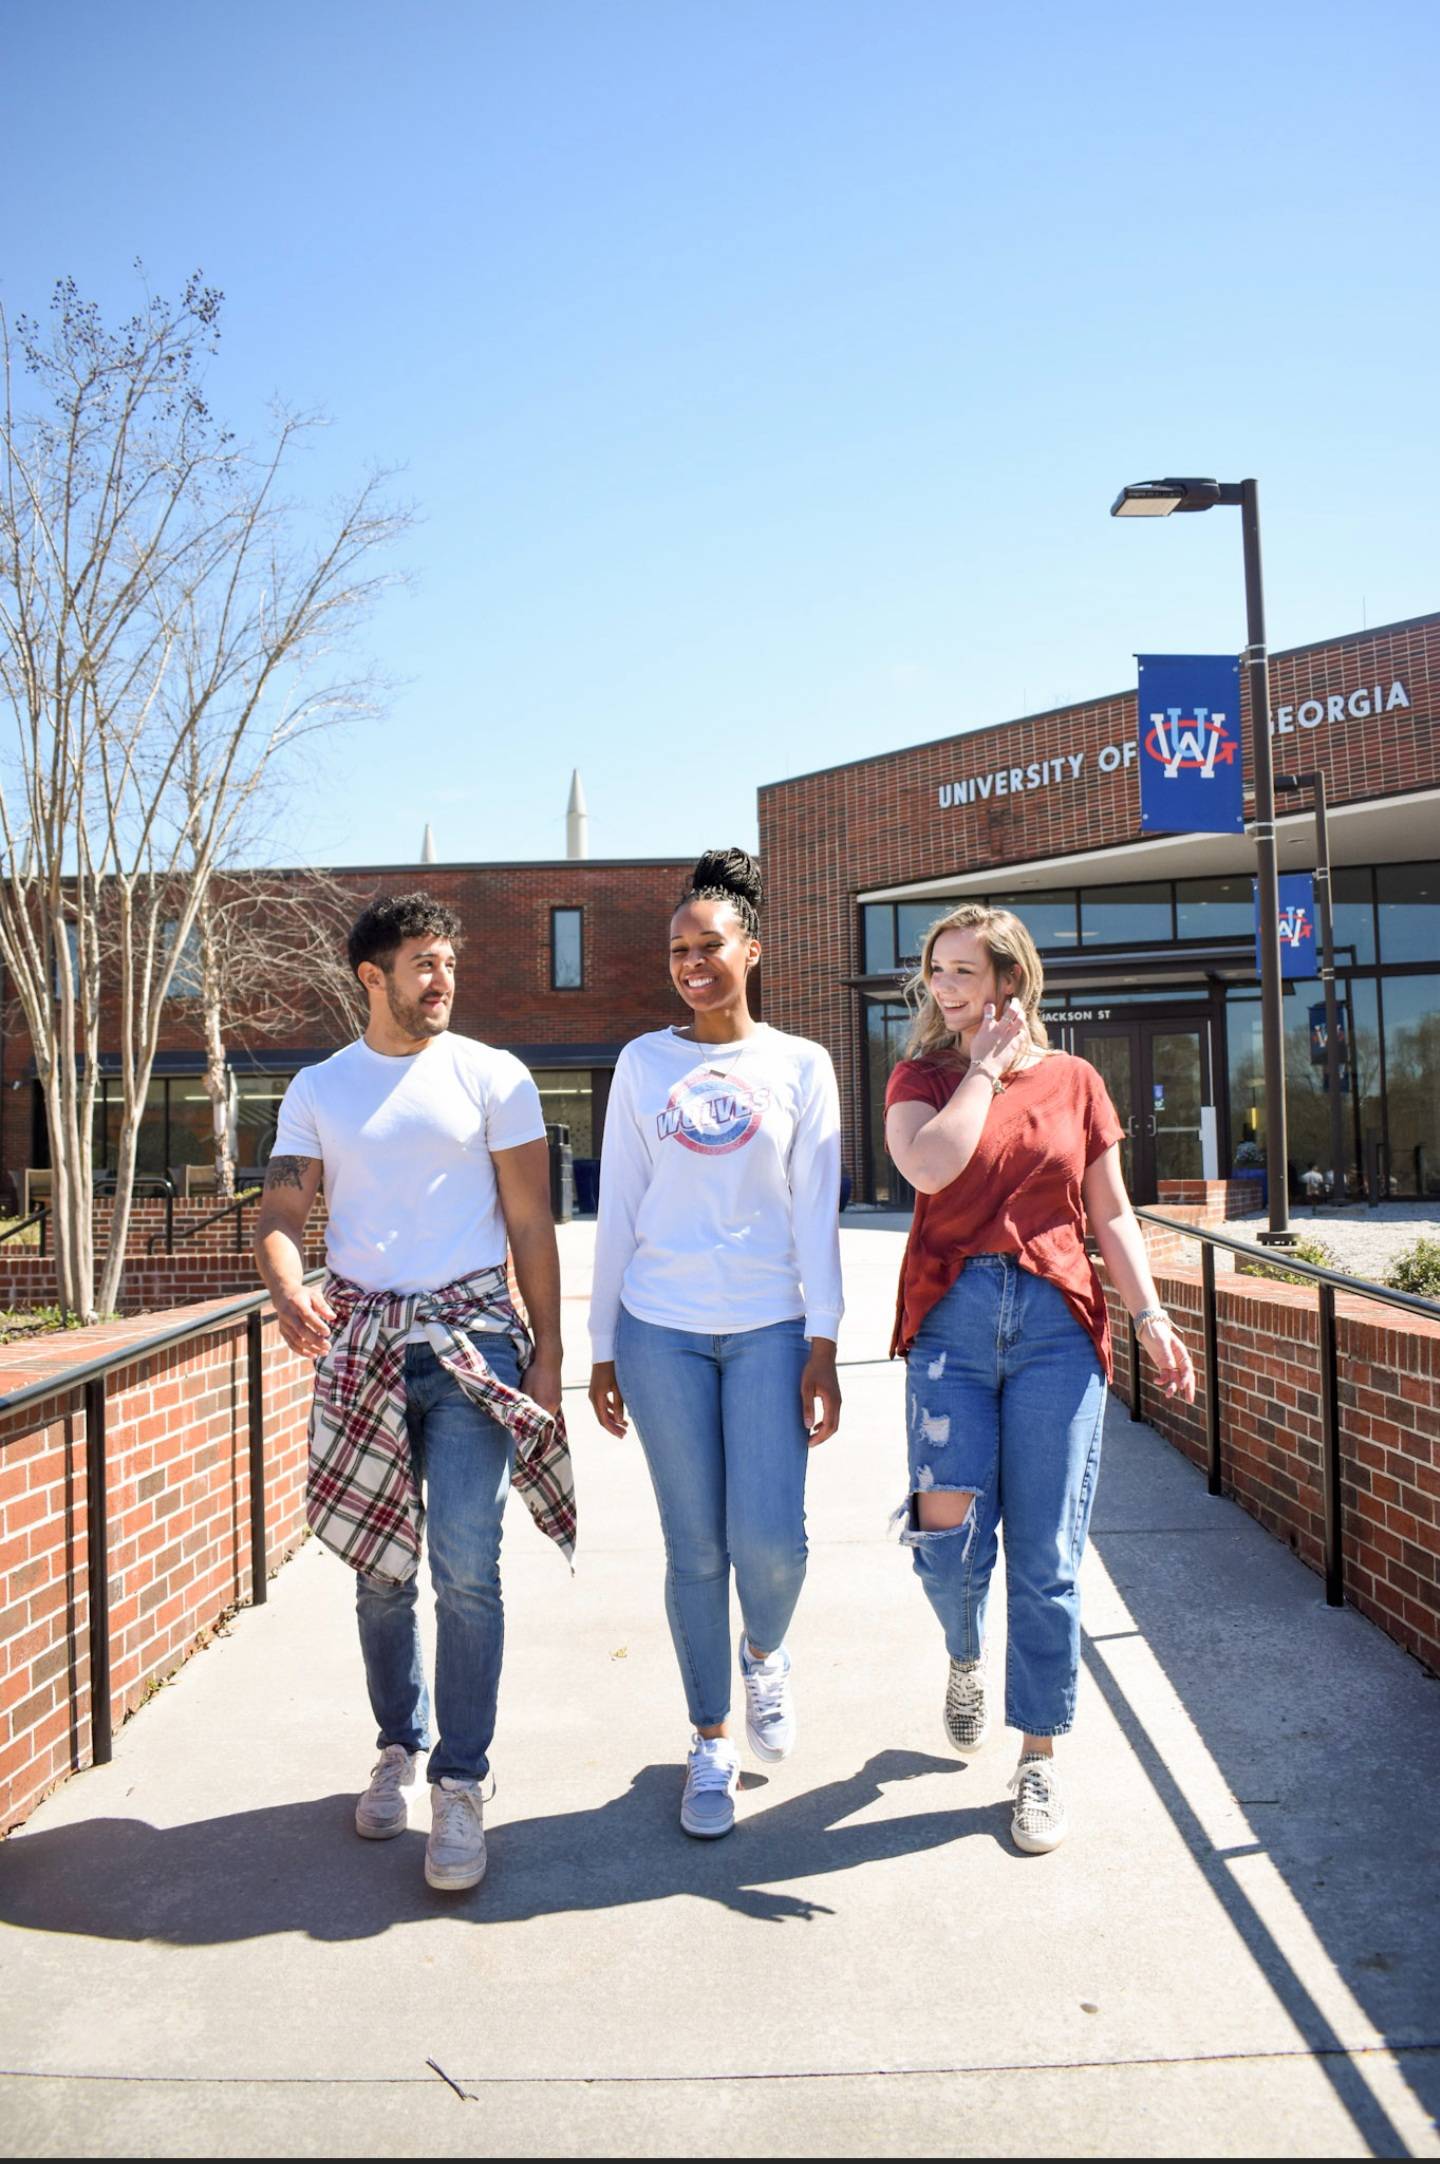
<point x="206" y="1266"/>
<point x="179" y="1510"/>
<point x="1271" y="1440"/>
<point x="826" y="837"/>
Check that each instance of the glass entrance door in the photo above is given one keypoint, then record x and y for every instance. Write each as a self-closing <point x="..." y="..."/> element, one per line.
<point x="1158" y="1076"/>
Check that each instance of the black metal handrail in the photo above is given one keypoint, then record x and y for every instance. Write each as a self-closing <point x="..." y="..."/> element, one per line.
<point x="22" y="1224"/>
<point x="89" y="1378"/>
<point x="1327" y="1283"/>
<point x="239" y="1204"/>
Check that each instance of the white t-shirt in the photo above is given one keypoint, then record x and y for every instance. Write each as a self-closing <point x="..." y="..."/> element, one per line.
<point x="719" y="1187"/>
<point x="406" y="1146"/>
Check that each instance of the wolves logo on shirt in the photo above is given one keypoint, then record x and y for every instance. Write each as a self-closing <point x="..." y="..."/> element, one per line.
<point x="712" y="1113"/>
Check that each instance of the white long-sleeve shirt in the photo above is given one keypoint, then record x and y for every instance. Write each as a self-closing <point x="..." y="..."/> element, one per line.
<point x="719" y="1187"/>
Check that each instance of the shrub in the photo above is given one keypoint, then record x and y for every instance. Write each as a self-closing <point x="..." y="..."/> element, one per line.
<point x="1323" y="1257"/>
<point x="1417" y="1270"/>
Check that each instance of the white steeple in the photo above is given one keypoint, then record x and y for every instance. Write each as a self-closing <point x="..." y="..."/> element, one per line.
<point x="427" y="847"/>
<point x="577" y="819"/>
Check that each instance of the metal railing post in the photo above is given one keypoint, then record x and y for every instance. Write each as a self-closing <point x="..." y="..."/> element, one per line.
<point x="1135" y="1412"/>
<point x="97" y="1548"/>
<point x="259" y="1564"/>
<point x="1330" y="1450"/>
<point x="1211" y="1333"/>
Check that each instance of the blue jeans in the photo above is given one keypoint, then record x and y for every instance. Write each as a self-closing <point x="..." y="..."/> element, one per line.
<point x="1006" y="1401"/>
<point x="462" y="1459"/>
<point x="719" y="1420"/>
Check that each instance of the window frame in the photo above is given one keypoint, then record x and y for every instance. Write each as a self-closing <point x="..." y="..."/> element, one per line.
<point x="558" y="910"/>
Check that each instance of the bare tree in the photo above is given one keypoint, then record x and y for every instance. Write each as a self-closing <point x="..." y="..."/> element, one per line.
<point x="267" y="960"/>
<point x="165" y="639"/>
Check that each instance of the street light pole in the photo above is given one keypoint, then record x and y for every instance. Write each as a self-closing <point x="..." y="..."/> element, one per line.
<point x="1267" y="871"/>
<point x="1158" y="499"/>
<point x="1325" y="912"/>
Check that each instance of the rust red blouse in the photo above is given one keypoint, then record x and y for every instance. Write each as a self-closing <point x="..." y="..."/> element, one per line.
<point x="1020" y="1193"/>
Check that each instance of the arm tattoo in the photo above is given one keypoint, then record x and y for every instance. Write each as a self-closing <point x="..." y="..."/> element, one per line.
<point x="286" y="1172"/>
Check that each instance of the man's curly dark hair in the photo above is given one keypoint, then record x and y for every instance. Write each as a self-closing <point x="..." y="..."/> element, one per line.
<point x="384" y="924"/>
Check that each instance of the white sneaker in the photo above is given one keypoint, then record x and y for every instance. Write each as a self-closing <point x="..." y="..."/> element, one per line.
<point x="1040" y="1822"/>
<point x="381" y="1812"/>
<point x="769" y="1710"/>
<point x="967" y="1715"/>
<point x="455" y="1851"/>
<point x="712" y="1775"/>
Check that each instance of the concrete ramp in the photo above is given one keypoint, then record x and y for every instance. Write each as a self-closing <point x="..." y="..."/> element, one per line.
<point x="1235" y="1953"/>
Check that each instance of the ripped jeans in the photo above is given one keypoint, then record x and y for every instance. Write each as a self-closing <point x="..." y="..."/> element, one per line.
<point x="1005" y="1400"/>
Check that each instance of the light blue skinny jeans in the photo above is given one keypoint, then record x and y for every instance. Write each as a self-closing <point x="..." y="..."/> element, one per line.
<point x="1006" y="1401"/>
<point x="719" y="1421"/>
<point x="462" y="1459"/>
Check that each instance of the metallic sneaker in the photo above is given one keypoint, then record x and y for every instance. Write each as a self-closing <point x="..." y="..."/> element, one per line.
<point x="769" y="1710"/>
<point x="1040" y="1823"/>
<point x="381" y="1812"/>
<point x="712" y="1775"/>
<point x="455" y="1851"/>
<point x="967" y="1716"/>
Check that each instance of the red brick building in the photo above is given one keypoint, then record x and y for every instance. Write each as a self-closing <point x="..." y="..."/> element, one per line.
<point x="1147" y="941"/>
<point x="563" y="961"/>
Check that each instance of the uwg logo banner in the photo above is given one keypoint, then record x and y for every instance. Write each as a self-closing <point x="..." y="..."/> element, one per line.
<point x="1297" y="925"/>
<point x="1191" y="779"/>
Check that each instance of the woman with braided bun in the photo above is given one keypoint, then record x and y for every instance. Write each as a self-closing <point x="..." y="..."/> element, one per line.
<point x="714" y="1315"/>
<point x="1011" y="1148"/>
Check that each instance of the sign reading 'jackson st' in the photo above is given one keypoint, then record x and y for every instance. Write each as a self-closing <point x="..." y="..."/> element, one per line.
<point x="1067" y="767"/>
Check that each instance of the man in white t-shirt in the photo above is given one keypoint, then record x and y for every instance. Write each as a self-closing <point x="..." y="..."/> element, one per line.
<point x="433" y="1155"/>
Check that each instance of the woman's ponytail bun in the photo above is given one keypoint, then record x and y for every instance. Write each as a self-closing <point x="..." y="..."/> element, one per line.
<point x="730" y="875"/>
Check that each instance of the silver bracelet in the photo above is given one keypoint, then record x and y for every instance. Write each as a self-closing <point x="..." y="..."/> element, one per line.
<point x="1147" y="1315"/>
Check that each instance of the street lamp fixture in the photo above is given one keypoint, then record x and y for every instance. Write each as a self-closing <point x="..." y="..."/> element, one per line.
<point x="1186" y="492"/>
<point x="1177" y="492"/>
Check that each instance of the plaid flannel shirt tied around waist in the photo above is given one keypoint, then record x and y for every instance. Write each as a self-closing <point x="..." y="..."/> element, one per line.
<point x="362" y="1497"/>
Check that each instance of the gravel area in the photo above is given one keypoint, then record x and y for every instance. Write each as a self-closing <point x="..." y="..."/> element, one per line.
<point x="1362" y="1240"/>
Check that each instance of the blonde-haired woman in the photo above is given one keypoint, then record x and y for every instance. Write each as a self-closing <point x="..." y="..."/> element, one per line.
<point x="1011" y="1147"/>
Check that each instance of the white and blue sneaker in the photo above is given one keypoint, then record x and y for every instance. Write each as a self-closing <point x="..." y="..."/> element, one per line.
<point x="769" y="1710"/>
<point x="712" y="1775"/>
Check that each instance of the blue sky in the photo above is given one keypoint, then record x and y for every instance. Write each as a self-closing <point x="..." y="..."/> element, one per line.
<point x="763" y="372"/>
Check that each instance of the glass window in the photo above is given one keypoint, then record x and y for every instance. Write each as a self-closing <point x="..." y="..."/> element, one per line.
<point x="1048" y="917"/>
<point x="1409" y="896"/>
<point x="1246" y="1082"/>
<point x="185" y="984"/>
<point x="1352" y="905"/>
<point x="257" y="1115"/>
<point x="1138" y="916"/>
<point x="192" y="1125"/>
<point x="912" y="921"/>
<point x="1307" y="1106"/>
<point x="1412" y="1080"/>
<point x="1214" y="909"/>
<point x="887" y="1025"/>
<point x="150" y="1141"/>
<point x="877" y="920"/>
<point x="72" y="941"/>
<point x="566" y="1099"/>
<point x="567" y="956"/>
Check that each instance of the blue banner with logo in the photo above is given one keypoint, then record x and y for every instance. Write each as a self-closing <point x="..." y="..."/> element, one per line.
<point x="1298" y="953"/>
<point x="1319" y="1034"/>
<point x="1191" y="778"/>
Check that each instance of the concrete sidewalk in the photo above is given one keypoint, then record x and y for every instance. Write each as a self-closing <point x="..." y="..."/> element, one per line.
<point x="1235" y="1953"/>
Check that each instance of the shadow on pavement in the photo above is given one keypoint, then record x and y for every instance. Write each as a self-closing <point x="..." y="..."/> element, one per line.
<point x="300" y="1866"/>
<point x="1323" y="1752"/>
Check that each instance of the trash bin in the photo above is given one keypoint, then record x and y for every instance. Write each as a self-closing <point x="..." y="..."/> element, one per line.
<point x="562" y="1174"/>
